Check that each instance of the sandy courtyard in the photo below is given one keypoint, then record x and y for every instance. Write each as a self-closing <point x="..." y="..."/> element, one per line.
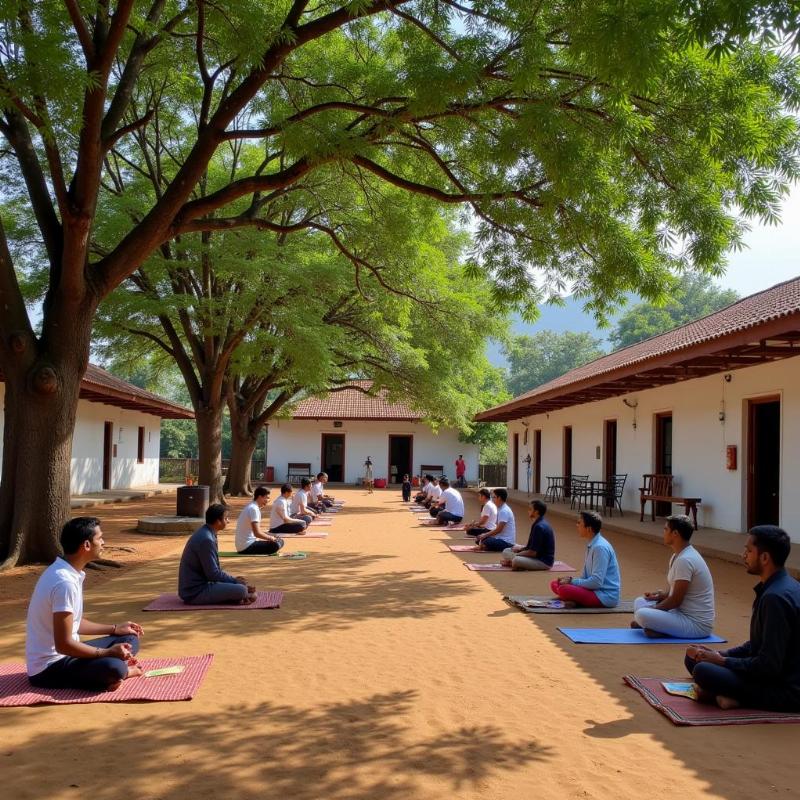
<point x="389" y="672"/>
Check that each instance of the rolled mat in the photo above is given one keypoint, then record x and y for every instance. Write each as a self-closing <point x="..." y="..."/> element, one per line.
<point x="627" y="636"/>
<point x="171" y="602"/>
<point x="683" y="711"/>
<point x="547" y="604"/>
<point x="16" y="690"/>
<point x="558" y="566"/>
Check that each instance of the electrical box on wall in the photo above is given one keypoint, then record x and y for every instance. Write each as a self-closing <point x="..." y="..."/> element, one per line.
<point x="337" y="423"/>
<point x="597" y="452"/>
<point x="730" y="457"/>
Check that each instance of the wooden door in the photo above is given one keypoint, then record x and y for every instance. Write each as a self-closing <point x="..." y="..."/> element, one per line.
<point x="108" y="444"/>
<point x="663" y="454"/>
<point x="567" y="461"/>
<point x="537" y="462"/>
<point x="515" y="484"/>
<point x="763" y="461"/>
<point x="610" y="448"/>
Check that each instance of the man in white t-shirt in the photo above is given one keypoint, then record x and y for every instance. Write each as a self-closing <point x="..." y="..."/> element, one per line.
<point x="504" y="533"/>
<point x="450" y="509"/>
<point x="280" y="517"/>
<point x="56" y="657"/>
<point x="434" y="493"/>
<point x="422" y="494"/>
<point x="686" y="608"/>
<point x="250" y="539"/>
<point x="300" y="507"/>
<point x="488" y="516"/>
<point x="319" y="499"/>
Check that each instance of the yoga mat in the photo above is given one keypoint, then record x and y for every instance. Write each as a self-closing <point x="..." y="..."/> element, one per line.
<point x="171" y="602"/>
<point x="233" y="554"/>
<point x="683" y="711"/>
<point x="464" y="548"/>
<point x="316" y="535"/>
<point x="15" y="690"/>
<point x="322" y="523"/>
<point x="626" y="636"/>
<point x="558" y="566"/>
<point x="519" y="600"/>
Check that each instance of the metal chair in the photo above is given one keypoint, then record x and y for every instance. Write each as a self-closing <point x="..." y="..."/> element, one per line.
<point x="580" y="490"/>
<point x="615" y="486"/>
<point x="555" y="488"/>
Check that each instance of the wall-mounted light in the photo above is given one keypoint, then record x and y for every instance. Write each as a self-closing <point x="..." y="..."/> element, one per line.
<point x="721" y="415"/>
<point x="634" y="404"/>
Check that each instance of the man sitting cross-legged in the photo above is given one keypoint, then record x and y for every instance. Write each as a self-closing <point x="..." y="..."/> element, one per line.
<point x="56" y="657"/>
<point x="686" y="608"/>
<point x="488" y="516"/>
<point x="201" y="580"/>
<point x="539" y="553"/>
<point x="249" y="537"/>
<point x="434" y="493"/>
<point x="450" y="508"/>
<point x="319" y="499"/>
<point x="764" y="672"/>
<point x="280" y="518"/>
<point x="300" y="505"/>
<point x="422" y="494"/>
<point x="599" y="584"/>
<point x="504" y="532"/>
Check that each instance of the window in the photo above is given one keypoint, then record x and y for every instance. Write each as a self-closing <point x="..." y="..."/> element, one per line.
<point x="140" y="446"/>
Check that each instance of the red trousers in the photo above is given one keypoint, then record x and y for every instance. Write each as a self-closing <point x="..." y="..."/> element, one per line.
<point x="575" y="594"/>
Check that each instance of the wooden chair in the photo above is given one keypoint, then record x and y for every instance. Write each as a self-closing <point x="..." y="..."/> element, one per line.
<point x="295" y="470"/>
<point x="657" y="488"/>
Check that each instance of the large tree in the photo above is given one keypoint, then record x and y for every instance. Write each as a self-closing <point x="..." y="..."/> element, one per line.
<point x="580" y="134"/>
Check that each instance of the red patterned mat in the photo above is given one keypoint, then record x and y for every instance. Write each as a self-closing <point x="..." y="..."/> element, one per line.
<point x="683" y="711"/>
<point x="15" y="690"/>
<point x="171" y="602"/>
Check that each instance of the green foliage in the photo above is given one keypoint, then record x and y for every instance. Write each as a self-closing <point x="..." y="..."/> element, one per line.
<point x="692" y="297"/>
<point x="535" y="360"/>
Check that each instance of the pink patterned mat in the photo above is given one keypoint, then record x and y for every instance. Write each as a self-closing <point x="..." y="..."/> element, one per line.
<point x="463" y="548"/>
<point x="171" y="602"/>
<point x="314" y="535"/>
<point x="443" y="527"/>
<point x="559" y="566"/>
<point x="15" y="690"/>
<point x="321" y="523"/>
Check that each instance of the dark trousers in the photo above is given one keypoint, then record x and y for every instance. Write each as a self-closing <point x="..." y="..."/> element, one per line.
<point x="213" y="594"/>
<point x="289" y="527"/>
<point x="477" y="531"/>
<point x="263" y="548"/>
<point x="718" y="680"/>
<point x="444" y="517"/>
<point x="494" y="544"/>
<point x="406" y="495"/>
<point x="87" y="673"/>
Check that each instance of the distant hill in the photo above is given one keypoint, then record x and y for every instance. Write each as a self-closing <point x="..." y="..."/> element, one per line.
<point x="569" y="317"/>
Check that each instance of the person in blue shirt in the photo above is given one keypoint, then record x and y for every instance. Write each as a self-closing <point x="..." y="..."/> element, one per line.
<point x="599" y="584"/>
<point x="540" y="551"/>
<point x="764" y="672"/>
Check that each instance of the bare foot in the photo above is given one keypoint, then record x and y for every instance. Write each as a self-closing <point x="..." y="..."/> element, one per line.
<point x="727" y="703"/>
<point x="635" y="624"/>
<point x="702" y="695"/>
<point x="569" y="604"/>
<point x="112" y="687"/>
<point x="134" y="671"/>
<point x="651" y="634"/>
<point x="251" y="598"/>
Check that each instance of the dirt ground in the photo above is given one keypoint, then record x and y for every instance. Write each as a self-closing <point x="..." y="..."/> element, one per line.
<point x="389" y="672"/>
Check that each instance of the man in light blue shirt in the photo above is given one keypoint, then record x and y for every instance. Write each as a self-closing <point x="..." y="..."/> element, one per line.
<point x="599" y="584"/>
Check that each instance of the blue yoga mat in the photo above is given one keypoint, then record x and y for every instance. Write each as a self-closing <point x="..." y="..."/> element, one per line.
<point x="626" y="636"/>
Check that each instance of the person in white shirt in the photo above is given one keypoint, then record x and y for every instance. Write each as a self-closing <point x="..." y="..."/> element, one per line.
<point x="488" y="516"/>
<point x="318" y="496"/>
<point x="450" y="509"/>
<point x="686" y="608"/>
<point x="422" y="495"/>
<point x="56" y="657"/>
<point x="249" y="537"/>
<point x="300" y="506"/>
<point x="504" y="532"/>
<point x="280" y="518"/>
<point x="434" y="493"/>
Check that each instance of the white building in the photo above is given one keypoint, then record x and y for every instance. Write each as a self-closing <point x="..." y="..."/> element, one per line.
<point x="338" y="433"/>
<point x="715" y="403"/>
<point x="117" y="439"/>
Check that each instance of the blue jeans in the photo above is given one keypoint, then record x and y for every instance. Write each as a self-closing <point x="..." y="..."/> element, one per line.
<point x="263" y="547"/>
<point x="87" y="673"/>
<point x="494" y="544"/>
<point x="718" y="680"/>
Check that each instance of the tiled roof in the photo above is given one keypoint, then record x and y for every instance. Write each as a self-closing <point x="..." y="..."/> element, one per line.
<point x="756" y="317"/>
<point x="352" y="403"/>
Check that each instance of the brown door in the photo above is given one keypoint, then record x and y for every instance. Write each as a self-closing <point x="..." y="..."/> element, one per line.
<point x="663" y="465"/>
<point x="567" y="460"/>
<point x="401" y="457"/>
<point x="763" y="461"/>
<point x="610" y="448"/>
<point x="515" y="485"/>
<point x="537" y="462"/>
<point x="108" y="444"/>
<point x="332" y="459"/>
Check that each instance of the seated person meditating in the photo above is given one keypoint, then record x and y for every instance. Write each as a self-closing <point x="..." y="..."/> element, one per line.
<point x="201" y="580"/>
<point x="300" y="506"/>
<point x="686" y="608"/>
<point x="422" y="494"/>
<point x="56" y="657"/>
<point x="488" y="516"/>
<point x="249" y="537"/>
<point x="599" y="583"/>
<point x="450" y="508"/>
<point x="540" y="551"/>
<point x="434" y="493"/>
<point x="764" y="672"/>
<point x="320" y="501"/>
<point x="504" y="532"/>
<point x="280" y="518"/>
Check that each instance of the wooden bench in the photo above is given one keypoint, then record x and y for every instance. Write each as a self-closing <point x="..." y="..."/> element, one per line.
<point x="434" y="469"/>
<point x="297" y="470"/>
<point x="658" y="489"/>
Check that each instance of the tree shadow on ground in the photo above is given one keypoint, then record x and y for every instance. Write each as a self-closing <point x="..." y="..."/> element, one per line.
<point x="354" y="750"/>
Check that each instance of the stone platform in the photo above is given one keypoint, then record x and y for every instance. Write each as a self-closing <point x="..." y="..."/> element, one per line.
<point x="169" y="526"/>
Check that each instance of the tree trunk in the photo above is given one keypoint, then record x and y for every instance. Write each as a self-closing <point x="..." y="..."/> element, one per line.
<point x="41" y="403"/>
<point x="209" y="442"/>
<point x="243" y="445"/>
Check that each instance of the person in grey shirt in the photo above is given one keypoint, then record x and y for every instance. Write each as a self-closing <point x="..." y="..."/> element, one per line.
<point x="201" y="580"/>
<point x="686" y="608"/>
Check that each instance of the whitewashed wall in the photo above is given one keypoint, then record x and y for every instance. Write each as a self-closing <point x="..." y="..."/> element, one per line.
<point x="699" y="441"/>
<point x="86" y="472"/>
<point x="301" y="440"/>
